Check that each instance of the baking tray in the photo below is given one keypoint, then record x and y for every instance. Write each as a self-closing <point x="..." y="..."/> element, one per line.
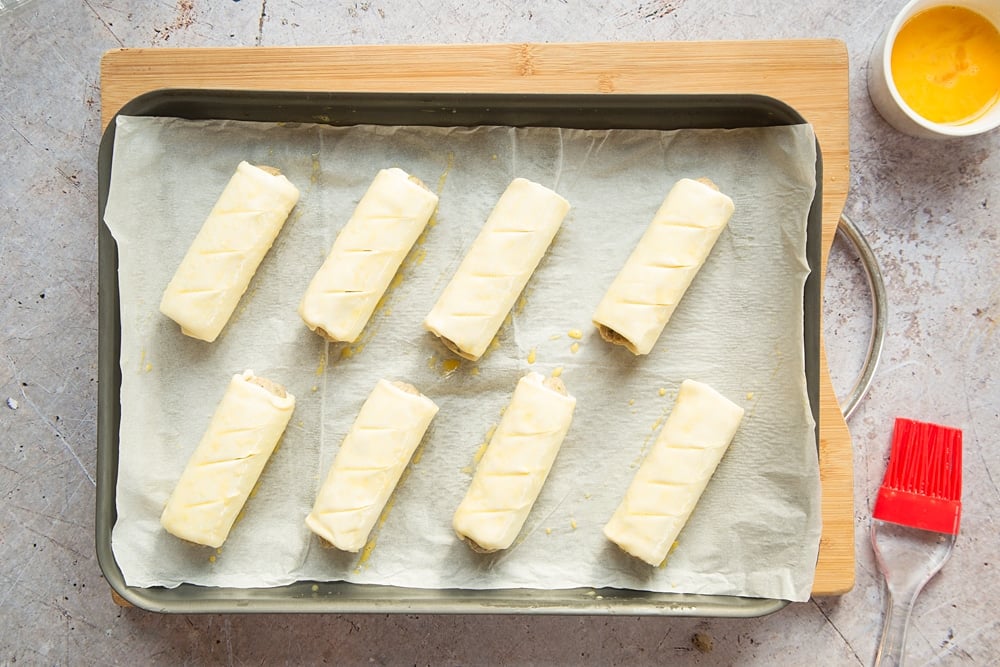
<point x="653" y="112"/>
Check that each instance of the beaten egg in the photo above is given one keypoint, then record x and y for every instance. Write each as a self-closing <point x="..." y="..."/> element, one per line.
<point x="946" y="64"/>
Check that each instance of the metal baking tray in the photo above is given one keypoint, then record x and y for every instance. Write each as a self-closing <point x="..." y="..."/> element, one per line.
<point x="656" y="112"/>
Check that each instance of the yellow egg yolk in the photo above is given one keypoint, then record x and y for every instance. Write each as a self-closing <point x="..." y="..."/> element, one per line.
<point x="946" y="64"/>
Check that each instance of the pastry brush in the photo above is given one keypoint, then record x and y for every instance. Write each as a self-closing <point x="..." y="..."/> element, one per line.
<point x="915" y="521"/>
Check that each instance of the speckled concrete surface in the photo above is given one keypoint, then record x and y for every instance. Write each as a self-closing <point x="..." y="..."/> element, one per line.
<point x="927" y="208"/>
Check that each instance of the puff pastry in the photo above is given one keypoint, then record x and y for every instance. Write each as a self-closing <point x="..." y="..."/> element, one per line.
<point x="497" y="267"/>
<point x="641" y="299"/>
<point x="516" y="463"/>
<point x="366" y="255"/>
<point x="223" y="257"/>
<point x="226" y="464"/>
<point x="369" y="463"/>
<point x="674" y="474"/>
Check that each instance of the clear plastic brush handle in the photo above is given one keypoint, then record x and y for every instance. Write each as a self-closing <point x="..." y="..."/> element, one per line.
<point x="908" y="558"/>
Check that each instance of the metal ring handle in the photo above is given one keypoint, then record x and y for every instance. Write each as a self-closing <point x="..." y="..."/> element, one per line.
<point x="880" y="306"/>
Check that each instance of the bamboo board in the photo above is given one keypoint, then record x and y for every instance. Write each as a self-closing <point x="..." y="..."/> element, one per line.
<point x="809" y="75"/>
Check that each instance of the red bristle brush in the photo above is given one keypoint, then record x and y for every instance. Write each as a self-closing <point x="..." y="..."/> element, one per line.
<point x="915" y="521"/>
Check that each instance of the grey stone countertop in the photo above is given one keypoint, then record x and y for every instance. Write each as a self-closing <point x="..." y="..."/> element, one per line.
<point x="927" y="208"/>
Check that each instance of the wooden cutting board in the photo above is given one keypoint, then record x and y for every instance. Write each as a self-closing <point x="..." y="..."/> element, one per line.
<point x="809" y="75"/>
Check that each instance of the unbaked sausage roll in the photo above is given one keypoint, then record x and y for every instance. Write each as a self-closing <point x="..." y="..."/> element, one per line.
<point x="517" y="460"/>
<point x="641" y="299"/>
<point x="368" y="465"/>
<point x="226" y="464"/>
<point x="491" y="276"/>
<point x="225" y="254"/>
<point x="366" y="255"/>
<point x="674" y="474"/>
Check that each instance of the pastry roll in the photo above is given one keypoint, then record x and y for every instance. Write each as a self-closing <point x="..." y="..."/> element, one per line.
<point x="366" y="255"/>
<point x="225" y="254"/>
<point x="674" y="474"/>
<point x="228" y="461"/>
<point x="517" y="460"/>
<point x="673" y="249"/>
<point x="495" y="270"/>
<point x="368" y="465"/>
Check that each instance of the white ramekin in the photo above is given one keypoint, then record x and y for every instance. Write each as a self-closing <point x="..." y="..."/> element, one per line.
<point x="885" y="96"/>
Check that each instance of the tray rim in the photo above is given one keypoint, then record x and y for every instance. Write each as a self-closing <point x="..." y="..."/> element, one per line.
<point x="339" y="596"/>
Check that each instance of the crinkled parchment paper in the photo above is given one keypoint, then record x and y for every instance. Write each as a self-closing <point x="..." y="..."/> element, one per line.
<point x="739" y="328"/>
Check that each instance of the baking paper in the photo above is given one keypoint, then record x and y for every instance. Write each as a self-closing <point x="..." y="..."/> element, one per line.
<point x="755" y="531"/>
